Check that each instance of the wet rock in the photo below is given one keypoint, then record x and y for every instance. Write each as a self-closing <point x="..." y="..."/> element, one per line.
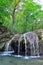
<point x="25" y="44"/>
<point x="15" y="42"/>
<point x="41" y="49"/>
<point x="5" y="36"/>
<point x="22" y="46"/>
<point x="2" y="47"/>
<point x="40" y="36"/>
<point x="30" y="40"/>
<point x="39" y="33"/>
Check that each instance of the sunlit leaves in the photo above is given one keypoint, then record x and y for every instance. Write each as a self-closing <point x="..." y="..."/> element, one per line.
<point x="27" y="17"/>
<point x="6" y="9"/>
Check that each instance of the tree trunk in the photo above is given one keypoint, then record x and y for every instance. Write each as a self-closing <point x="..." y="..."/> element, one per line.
<point x="13" y="15"/>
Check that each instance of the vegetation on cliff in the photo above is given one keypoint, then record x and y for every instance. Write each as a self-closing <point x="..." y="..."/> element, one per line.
<point x="21" y="15"/>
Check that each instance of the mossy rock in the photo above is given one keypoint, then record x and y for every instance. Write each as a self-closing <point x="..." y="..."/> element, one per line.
<point x="41" y="40"/>
<point x="2" y="46"/>
<point x="39" y="33"/>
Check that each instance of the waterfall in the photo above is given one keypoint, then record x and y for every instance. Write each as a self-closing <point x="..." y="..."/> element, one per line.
<point x="25" y="45"/>
<point x="7" y="46"/>
<point x="8" y="43"/>
<point x="19" y="48"/>
<point x="7" y="52"/>
<point x="32" y="47"/>
<point x="33" y="39"/>
<point x="30" y="39"/>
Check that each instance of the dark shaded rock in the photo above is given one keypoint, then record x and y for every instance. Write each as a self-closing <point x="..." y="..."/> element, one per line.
<point x="5" y="36"/>
<point x="14" y="46"/>
<point x="40" y="36"/>
<point x="41" y="49"/>
<point x="2" y="47"/>
<point x="15" y="42"/>
<point x="22" y="47"/>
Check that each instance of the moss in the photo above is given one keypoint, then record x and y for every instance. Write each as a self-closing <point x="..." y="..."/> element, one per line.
<point x="39" y="33"/>
<point x="41" y="40"/>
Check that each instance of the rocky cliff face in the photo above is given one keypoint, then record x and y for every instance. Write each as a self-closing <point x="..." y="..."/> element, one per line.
<point x="25" y="44"/>
<point x="15" y="43"/>
<point x="22" y="41"/>
<point x="5" y="36"/>
<point x="40" y="36"/>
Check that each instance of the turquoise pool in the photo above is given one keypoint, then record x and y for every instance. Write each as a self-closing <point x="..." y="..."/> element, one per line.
<point x="11" y="60"/>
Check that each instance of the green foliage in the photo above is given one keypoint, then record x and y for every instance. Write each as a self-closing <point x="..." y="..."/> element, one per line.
<point x="6" y="9"/>
<point x="29" y="18"/>
<point x="26" y="20"/>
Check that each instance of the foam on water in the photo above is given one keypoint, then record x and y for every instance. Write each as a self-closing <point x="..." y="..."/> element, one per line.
<point x="27" y="57"/>
<point x="5" y="53"/>
<point x="18" y="56"/>
<point x="9" y="53"/>
<point x="31" y="57"/>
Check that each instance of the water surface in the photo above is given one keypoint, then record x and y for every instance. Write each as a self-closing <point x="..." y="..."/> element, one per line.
<point x="11" y="60"/>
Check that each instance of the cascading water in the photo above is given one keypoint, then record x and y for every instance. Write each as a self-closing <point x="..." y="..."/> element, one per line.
<point x="33" y="39"/>
<point x="25" y="45"/>
<point x="8" y="43"/>
<point x="19" y="49"/>
<point x="29" y="51"/>
<point x="7" y="52"/>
